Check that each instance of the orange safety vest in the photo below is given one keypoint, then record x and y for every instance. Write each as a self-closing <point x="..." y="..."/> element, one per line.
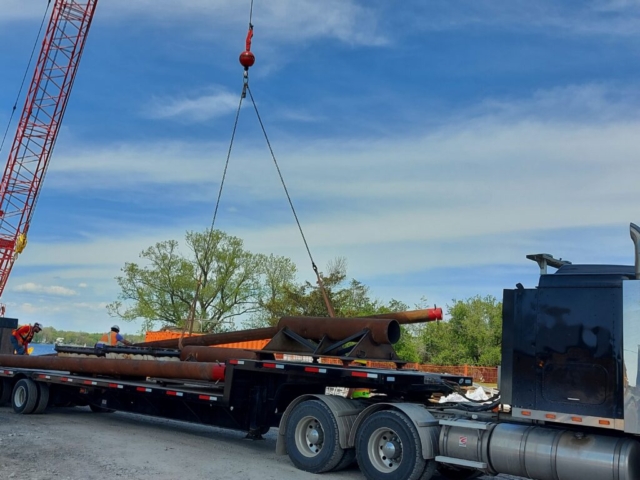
<point x="21" y="337"/>
<point x="109" y="338"/>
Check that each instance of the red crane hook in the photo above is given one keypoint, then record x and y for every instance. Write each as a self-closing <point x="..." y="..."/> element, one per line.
<point x="247" y="58"/>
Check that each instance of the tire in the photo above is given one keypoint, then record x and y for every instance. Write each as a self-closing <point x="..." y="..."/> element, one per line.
<point x="388" y="447"/>
<point x="452" y="472"/>
<point x="348" y="458"/>
<point x="43" y="398"/>
<point x="312" y="438"/>
<point x="5" y="392"/>
<point x="98" y="409"/>
<point x="25" y="396"/>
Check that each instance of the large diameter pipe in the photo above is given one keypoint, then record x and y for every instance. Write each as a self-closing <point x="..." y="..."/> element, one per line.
<point x="383" y="331"/>
<point x="215" y="354"/>
<point x="113" y="367"/>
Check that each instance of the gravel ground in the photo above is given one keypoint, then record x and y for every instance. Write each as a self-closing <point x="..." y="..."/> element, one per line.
<point x="74" y="444"/>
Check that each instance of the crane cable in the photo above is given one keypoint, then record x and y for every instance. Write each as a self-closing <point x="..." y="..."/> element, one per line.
<point x="325" y="295"/>
<point x="188" y="325"/>
<point x="24" y="77"/>
<point x="247" y="59"/>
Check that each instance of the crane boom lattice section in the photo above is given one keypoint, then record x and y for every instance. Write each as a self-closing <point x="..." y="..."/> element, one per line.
<point x="39" y="124"/>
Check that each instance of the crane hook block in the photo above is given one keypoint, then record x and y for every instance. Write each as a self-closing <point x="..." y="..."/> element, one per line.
<point x="247" y="58"/>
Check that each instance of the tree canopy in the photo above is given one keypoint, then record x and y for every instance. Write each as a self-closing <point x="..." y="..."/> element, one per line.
<point x="164" y="289"/>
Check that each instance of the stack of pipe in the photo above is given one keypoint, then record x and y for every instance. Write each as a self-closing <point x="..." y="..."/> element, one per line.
<point x="403" y="318"/>
<point x="206" y="371"/>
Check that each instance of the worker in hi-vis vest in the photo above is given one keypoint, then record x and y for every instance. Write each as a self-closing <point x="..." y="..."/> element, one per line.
<point x="21" y="338"/>
<point x="112" y="338"/>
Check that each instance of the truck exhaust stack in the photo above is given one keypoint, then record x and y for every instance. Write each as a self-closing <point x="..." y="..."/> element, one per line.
<point x="634" y="230"/>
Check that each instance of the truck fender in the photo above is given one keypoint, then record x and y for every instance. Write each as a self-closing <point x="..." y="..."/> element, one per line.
<point x="426" y="424"/>
<point x="345" y="412"/>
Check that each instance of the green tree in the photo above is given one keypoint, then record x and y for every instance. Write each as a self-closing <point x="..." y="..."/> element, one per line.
<point x="285" y="297"/>
<point x="164" y="289"/>
<point x="472" y="334"/>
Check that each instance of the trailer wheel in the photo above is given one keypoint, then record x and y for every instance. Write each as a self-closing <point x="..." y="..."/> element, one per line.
<point x="451" y="472"/>
<point x="43" y="398"/>
<point x="388" y="447"/>
<point x="312" y="438"/>
<point x="5" y="392"/>
<point x="25" y="396"/>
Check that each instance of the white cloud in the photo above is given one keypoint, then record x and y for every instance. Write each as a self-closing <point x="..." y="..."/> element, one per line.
<point x="194" y="109"/>
<point x="42" y="289"/>
<point x="82" y="285"/>
<point x="283" y="21"/>
<point x="286" y="21"/>
<point x="591" y="17"/>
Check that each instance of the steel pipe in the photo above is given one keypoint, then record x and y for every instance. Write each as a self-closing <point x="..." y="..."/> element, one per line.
<point x="215" y="354"/>
<point x="383" y="331"/>
<point x="412" y="316"/>
<point x="112" y="367"/>
<point x="215" y="338"/>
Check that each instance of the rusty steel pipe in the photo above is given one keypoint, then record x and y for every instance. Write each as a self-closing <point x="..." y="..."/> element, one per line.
<point x="413" y="316"/>
<point x="215" y="354"/>
<point x="112" y="367"/>
<point x="215" y="338"/>
<point x="383" y="331"/>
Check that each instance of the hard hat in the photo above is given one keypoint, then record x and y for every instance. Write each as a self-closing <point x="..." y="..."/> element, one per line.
<point x="115" y="328"/>
<point x="37" y="325"/>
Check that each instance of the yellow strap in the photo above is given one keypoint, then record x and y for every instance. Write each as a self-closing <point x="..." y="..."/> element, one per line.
<point x="21" y="243"/>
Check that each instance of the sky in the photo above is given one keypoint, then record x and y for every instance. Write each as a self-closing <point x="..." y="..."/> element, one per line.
<point x="431" y="143"/>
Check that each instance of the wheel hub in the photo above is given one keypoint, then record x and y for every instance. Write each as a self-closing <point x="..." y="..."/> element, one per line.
<point x="309" y="436"/>
<point x="385" y="450"/>
<point x="391" y="450"/>
<point x="314" y="436"/>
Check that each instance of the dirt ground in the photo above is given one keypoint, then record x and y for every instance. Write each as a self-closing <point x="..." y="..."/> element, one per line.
<point x="76" y="444"/>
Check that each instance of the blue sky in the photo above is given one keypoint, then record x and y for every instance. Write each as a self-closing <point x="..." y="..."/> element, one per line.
<point x="433" y="144"/>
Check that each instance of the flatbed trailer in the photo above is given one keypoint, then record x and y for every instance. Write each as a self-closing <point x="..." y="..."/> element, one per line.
<point x="254" y="396"/>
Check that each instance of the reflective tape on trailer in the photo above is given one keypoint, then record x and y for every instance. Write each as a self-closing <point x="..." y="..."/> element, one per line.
<point x="236" y="362"/>
<point x="45" y="377"/>
<point x="208" y="397"/>
<point x="315" y="370"/>
<point x="273" y="365"/>
<point x="364" y="375"/>
<point x="115" y="385"/>
<point x="67" y="379"/>
<point x="175" y="394"/>
<point x="8" y="372"/>
<point x="90" y="382"/>
<point x="144" y="389"/>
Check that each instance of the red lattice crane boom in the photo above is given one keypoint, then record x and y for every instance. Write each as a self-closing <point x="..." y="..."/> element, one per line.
<point x="39" y="124"/>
